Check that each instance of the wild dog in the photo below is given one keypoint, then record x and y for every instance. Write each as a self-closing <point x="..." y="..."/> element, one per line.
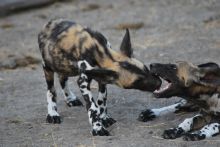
<point x="199" y="86"/>
<point x="69" y="49"/>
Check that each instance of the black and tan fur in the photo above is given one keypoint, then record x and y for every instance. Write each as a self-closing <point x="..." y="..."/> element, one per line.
<point x="69" y="49"/>
<point x="200" y="87"/>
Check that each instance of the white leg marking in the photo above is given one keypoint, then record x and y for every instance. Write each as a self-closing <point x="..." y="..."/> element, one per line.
<point x="168" y="109"/>
<point x="209" y="130"/>
<point x="187" y="123"/>
<point x="51" y="105"/>
<point x="88" y="66"/>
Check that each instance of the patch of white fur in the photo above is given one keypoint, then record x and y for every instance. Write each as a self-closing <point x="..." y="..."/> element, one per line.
<point x="187" y="123"/>
<point x="43" y="63"/>
<point x="108" y="44"/>
<point x="83" y="76"/>
<point x="168" y="109"/>
<point x="71" y="96"/>
<point x="101" y="95"/>
<point x="51" y="105"/>
<point x="210" y="130"/>
<point x="97" y="126"/>
<point x="88" y="66"/>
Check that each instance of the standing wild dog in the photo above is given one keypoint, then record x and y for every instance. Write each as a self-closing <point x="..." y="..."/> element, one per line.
<point x="199" y="86"/>
<point x="69" y="49"/>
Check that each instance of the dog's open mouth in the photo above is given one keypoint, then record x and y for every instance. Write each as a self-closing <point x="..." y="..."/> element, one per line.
<point x="166" y="85"/>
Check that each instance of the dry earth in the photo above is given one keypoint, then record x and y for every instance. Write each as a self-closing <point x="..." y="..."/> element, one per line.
<point x="162" y="31"/>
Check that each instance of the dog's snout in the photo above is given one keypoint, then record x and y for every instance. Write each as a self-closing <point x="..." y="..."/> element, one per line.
<point x="152" y="65"/>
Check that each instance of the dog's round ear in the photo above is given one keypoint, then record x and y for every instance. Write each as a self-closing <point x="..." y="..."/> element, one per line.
<point x="210" y="74"/>
<point x="125" y="47"/>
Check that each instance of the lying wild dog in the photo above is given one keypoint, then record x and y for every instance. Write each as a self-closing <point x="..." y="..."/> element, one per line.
<point x="69" y="49"/>
<point x="199" y="86"/>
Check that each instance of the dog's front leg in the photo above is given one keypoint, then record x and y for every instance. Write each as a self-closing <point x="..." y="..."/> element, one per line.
<point x="102" y="104"/>
<point x="150" y="114"/>
<point x="91" y="106"/>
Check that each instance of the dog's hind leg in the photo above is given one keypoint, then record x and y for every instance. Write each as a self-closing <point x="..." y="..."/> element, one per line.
<point x="102" y="104"/>
<point x="187" y="125"/>
<point x="150" y="114"/>
<point x="207" y="131"/>
<point x="53" y="116"/>
<point x="70" y="97"/>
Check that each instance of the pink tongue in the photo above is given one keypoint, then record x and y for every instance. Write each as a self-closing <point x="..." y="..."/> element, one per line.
<point x="165" y="85"/>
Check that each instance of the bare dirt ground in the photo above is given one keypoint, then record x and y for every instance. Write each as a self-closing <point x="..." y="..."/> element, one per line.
<point x="163" y="31"/>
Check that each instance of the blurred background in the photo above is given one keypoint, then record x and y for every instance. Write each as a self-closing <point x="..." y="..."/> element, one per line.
<point x="161" y="31"/>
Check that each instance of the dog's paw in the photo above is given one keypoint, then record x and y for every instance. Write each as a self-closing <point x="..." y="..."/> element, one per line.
<point x="146" y="115"/>
<point x="173" y="133"/>
<point x="53" y="119"/>
<point x="108" y="121"/>
<point x="101" y="132"/>
<point x="193" y="137"/>
<point x="75" y="102"/>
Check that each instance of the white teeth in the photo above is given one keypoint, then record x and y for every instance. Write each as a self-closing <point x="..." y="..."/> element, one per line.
<point x="165" y="85"/>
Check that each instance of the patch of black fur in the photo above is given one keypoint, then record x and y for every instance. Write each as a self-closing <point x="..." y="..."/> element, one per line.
<point x="103" y="76"/>
<point x="146" y="115"/>
<point x="173" y="133"/>
<point x="50" y="84"/>
<point x="53" y="119"/>
<point x="66" y="94"/>
<point x="101" y="39"/>
<point x="94" y="115"/>
<point x="88" y="103"/>
<point x="209" y="64"/>
<point x="126" y="45"/>
<point x="63" y="82"/>
<point x="83" y="66"/>
<point x="89" y="55"/>
<point x="101" y="110"/>
<point x="104" y="101"/>
<point x="193" y="137"/>
<point x="102" y="88"/>
<point x="132" y="68"/>
<point x="54" y="97"/>
<point x="59" y="28"/>
<point x="137" y="84"/>
<point x="100" y="102"/>
<point x="40" y="41"/>
<point x="83" y="86"/>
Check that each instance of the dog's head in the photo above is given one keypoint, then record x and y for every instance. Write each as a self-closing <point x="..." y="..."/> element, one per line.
<point x="185" y="79"/>
<point x="126" y="71"/>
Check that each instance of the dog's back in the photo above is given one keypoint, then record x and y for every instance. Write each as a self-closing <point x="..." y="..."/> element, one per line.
<point x="62" y="43"/>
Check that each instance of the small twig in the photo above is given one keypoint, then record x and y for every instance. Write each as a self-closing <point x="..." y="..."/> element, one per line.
<point x="93" y="142"/>
<point x="153" y="125"/>
<point x="54" y="143"/>
<point x="158" y="137"/>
